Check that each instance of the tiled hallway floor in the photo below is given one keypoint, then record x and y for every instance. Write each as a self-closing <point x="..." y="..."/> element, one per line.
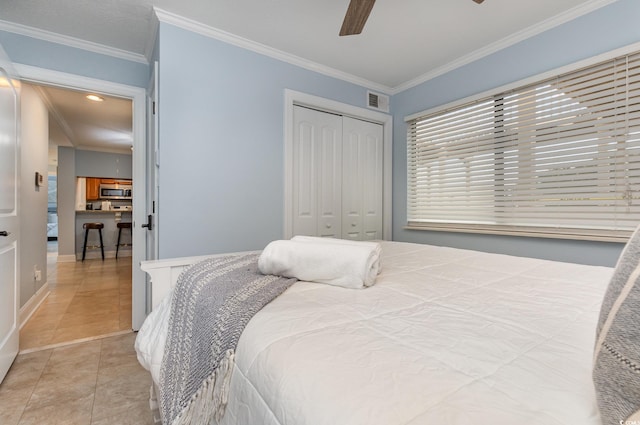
<point x="87" y="299"/>
<point x="98" y="382"/>
<point x="56" y="381"/>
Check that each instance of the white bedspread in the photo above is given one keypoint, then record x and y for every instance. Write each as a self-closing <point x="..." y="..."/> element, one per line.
<point x="446" y="336"/>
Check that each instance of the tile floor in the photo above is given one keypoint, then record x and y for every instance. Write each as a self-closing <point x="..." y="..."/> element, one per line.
<point x="87" y="299"/>
<point x="98" y="382"/>
<point x="56" y="379"/>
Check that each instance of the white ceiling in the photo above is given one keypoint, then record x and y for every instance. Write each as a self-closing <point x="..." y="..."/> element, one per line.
<point x="403" y="41"/>
<point x="77" y="122"/>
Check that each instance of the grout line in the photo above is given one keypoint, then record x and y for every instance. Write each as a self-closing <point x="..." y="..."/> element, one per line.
<point x="95" y="388"/>
<point x="33" y="388"/>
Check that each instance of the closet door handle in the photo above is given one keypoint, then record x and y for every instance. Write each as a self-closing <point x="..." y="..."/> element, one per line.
<point x="4" y="233"/>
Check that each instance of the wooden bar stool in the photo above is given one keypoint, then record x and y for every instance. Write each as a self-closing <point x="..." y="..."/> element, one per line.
<point x="87" y="227"/>
<point x="121" y="226"/>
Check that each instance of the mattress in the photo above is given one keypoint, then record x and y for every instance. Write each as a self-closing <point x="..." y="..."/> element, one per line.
<point x="445" y="336"/>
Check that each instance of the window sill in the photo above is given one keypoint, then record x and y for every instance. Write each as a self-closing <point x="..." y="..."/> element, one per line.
<point x="620" y="236"/>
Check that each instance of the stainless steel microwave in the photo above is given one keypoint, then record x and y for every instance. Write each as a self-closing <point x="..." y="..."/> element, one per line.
<point x="115" y="191"/>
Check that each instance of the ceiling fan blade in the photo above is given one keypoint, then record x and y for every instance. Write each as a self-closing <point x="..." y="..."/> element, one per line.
<point x="356" y="16"/>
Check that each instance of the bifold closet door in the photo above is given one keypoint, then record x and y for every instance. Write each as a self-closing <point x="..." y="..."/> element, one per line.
<point x="317" y="173"/>
<point x="362" y="184"/>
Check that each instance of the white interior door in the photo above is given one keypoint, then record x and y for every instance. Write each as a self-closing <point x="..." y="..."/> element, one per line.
<point x="317" y="169"/>
<point x="362" y="179"/>
<point x="9" y="218"/>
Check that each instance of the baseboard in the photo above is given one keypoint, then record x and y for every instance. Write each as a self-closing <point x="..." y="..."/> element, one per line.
<point x="66" y="258"/>
<point x="32" y="305"/>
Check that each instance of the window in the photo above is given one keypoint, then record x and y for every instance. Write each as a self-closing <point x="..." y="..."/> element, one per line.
<point x="557" y="158"/>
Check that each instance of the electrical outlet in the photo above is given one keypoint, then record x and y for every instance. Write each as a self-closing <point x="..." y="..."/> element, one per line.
<point x="37" y="274"/>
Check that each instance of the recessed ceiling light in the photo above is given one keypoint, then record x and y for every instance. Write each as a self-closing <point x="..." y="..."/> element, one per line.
<point x="94" y="98"/>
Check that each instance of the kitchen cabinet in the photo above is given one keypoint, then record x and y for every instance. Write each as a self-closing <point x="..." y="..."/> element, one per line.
<point x="93" y="188"/>
<point x="115" y="181"/>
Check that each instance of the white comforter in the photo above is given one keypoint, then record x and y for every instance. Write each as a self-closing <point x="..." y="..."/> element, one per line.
<point x="445" y="336"/>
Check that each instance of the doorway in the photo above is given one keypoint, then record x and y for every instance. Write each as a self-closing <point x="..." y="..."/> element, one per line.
<point x="87" y="299"/>
<point x="137" y="96"/>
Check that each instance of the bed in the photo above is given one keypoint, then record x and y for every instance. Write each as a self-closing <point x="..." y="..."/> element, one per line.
<point x="445" y="336"/>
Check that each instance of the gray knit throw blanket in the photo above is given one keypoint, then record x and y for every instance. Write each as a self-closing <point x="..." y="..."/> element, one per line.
<point x="212" y="303"/>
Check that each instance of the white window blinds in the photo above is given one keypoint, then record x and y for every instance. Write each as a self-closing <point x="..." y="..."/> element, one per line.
<point x="559" y="158"/>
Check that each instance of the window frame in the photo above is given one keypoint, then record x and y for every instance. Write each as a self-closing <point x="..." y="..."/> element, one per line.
<point x="498" y="94"/>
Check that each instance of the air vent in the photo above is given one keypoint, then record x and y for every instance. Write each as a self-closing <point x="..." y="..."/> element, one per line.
<point x="378" y="101"/>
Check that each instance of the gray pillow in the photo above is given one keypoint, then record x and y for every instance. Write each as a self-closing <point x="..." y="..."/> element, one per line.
<point x="616" y="370"/>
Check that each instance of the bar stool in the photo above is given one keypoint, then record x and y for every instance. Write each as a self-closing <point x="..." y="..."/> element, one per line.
<point x="121" y="226"/>
<point x="90" y="226"/>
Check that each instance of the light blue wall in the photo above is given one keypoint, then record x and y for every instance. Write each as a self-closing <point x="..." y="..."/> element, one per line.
<point x="103" y="164"/>
<point x="221" y="142"/>
<point x="30" y="51"/>
<point x="605" y="29"/>
<point x="66" y="201"/>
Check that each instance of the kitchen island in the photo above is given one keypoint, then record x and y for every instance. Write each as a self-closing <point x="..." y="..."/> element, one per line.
<point x="110" y="218"/>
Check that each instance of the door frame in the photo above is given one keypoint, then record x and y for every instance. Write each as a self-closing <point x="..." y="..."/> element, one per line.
<point x="293" y="98"/>
<point x="138" y="97"/>
<point x="152" y="173"/>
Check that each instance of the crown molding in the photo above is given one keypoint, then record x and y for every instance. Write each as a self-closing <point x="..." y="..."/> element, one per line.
<point x="71" y="42"/>
<point x="208" y="31"/>
<point x="517" y="37"/>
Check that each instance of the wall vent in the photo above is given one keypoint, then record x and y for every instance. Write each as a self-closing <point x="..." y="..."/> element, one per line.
<point x="378" y="101"/>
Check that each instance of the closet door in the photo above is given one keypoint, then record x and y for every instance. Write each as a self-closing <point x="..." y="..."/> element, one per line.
<point x="317" y="173"/>
<point x="362" y="180"/>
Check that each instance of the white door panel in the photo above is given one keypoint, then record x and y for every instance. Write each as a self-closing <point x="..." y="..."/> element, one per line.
<point x="328" y="180"/>
<point x="304" y="189"/>
<point x="316" y="173"/>
<point x="372" y="163"/>
<point x="8" y="259"/>
<point x="9" y="217"/>
<point x="362" y="180"/>
<point x="351" y="185"/>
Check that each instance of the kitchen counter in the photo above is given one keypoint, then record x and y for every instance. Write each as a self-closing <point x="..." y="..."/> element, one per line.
<point x="110" y="218"/>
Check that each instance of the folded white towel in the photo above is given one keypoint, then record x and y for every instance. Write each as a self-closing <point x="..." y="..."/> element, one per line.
<point x="372" y="245"/>
<point x="350" y="265"/>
